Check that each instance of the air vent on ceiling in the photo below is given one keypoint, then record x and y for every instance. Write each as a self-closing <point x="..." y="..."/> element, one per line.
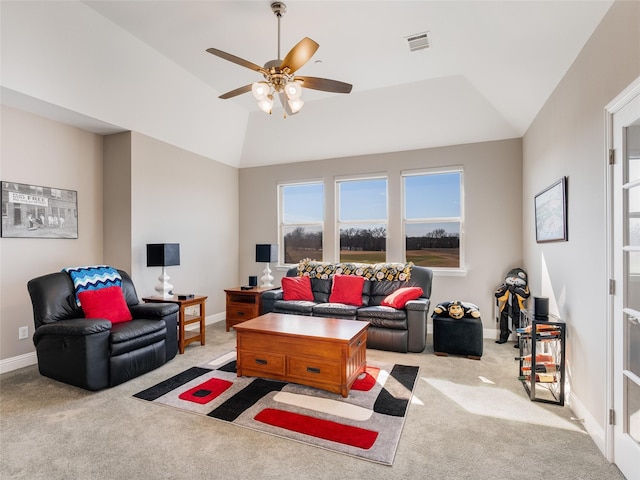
<point x="419" y="41"/>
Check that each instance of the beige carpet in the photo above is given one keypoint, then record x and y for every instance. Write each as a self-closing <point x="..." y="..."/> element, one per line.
<point x="456" y="428"/>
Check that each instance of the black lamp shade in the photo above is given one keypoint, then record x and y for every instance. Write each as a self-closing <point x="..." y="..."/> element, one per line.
<point x="163" y="254"/>
<point x="266" y="253"/>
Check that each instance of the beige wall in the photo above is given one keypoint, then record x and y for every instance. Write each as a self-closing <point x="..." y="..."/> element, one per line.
<point x="492" y="202"/>
<point x="38" y="151"/>
<point x="181" y="197"/>
<point x="153" y="193"/>
<point x="568" y="138"/>
<point x="117" y="200"/>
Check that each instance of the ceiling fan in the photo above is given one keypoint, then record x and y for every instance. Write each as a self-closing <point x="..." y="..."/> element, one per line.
<point x="279" y="76"/>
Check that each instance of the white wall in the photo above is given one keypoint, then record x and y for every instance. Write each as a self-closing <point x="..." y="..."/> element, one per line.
<point x="568" y="139"/>
<point x="68" y="55"/>
<point x="492" y="202"/>
<point x="37" y="151"/>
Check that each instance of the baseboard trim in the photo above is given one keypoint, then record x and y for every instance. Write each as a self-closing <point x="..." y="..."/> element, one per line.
<point x="14" y="363"/>
<point x="21" y="361"/>
<point x="591" y="425"/>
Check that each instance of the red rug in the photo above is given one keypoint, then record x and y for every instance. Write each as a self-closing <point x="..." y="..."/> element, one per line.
<point x="367" y="424"/>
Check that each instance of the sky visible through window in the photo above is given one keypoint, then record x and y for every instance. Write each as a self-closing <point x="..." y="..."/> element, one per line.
<point x="426" y="196"/>
<point x="303" y="203"/>
<point x="363" y="200"/>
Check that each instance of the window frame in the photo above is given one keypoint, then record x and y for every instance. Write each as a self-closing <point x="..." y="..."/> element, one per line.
<point x="339" y="222"/>
<point x="453" y="271"/>
<point x="282" y="225"/>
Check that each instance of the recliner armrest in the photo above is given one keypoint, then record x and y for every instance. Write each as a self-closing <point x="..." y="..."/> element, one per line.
<point x="76" y="327"/>
<point x="153" y="311"/>
<point x="273" y="295"/>
<point x="419" y="304"/>
<point x="269" y="298"/>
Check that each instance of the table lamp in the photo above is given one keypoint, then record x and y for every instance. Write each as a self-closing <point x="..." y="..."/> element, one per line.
<point x="266" y="253"/>
<point x="163" y="255"/>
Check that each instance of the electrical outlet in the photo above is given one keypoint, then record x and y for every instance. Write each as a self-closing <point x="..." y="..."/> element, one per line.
<point x="23" y="332"/>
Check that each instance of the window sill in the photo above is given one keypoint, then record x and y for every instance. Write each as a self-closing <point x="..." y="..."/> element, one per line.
<point x="449" y="272"/>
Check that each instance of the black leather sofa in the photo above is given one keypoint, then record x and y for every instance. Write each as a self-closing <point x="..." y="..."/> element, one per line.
<point x="94" y="353"/>
<point x="400" y="330"/>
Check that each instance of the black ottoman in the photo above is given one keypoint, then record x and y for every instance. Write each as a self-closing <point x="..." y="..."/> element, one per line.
<point x="462" y="336"/>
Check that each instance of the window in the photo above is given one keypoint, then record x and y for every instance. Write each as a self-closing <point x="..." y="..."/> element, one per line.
<point x="433" y="218"/>
<point x="301" y="209"/>
<point x="362" y="220"/>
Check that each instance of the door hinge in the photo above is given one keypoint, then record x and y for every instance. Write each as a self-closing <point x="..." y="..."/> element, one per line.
<point x="612" y="156"/>
<point x="612" y="417"/>
<point x="612" y="286"/>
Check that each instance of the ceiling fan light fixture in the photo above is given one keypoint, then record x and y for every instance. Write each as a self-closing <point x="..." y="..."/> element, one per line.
<point x="293" y="90"/>
<point x="295" y="104"/>
<point x="266" y="104"/>
<point x="260" y="90"/>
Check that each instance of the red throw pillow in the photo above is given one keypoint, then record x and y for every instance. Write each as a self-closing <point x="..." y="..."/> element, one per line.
<point x="106" y="303"/>
<point x="347" y="289"/>
<point x="297" y="288"/>
<point x="401" y="296"/>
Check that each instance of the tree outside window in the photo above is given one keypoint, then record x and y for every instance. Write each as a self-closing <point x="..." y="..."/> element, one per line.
<point x="433" y="218"/>
<point x="302" y="220"/>
<point x="362" y="220"/>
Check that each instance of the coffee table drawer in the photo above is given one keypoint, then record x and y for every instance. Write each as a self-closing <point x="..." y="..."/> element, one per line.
<point x="262" y="362"/>
<point x="357" y="343"/>
<point x="317" y="371"/>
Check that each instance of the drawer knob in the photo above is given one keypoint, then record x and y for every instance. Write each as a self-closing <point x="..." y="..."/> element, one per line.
<point x="261" y="361"/>
<point x="241" y="314"/>
<point x="313" y="370"/>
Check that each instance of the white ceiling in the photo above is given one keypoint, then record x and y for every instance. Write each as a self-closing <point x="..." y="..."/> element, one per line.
<point x="491" y="67"/>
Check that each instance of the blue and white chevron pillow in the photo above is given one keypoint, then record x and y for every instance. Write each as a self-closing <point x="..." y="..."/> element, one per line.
<point x="93" y="277"/>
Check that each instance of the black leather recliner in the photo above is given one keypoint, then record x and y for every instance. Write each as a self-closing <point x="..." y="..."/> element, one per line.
<point x="94" y="353"/>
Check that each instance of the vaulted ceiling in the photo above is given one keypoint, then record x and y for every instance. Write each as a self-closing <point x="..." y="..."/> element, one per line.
<point x="490" y="68"/>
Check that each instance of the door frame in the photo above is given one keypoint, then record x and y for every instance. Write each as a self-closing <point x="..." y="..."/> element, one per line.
<point x="610" y="110"/>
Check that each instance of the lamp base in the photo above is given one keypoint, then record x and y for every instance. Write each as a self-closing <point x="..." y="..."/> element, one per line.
<point x="164" y="288"/>
<point x="267" y="278"/>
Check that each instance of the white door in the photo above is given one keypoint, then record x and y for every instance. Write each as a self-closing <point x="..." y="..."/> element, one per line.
<point x="625" y="198"/>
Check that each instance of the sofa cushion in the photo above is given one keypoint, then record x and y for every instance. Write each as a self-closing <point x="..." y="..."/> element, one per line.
<point x="136" y="334"/>
<point x="400" y="297"/>
<point x="385" y="317"/>
<point x="297" y="288"/>
<point x="106" y="303"/>
<point x="297" y="307"/>
<point x="321" y="288"/>
<point x="347" y="289"/>
<point x="339" y="310"/>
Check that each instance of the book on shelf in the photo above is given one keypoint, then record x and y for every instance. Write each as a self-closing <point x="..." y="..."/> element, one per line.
<point x="547" y="367"/>
<point x="540" y="378"/>
<point x="540" y="358"/>
<point x="541" y="329"/>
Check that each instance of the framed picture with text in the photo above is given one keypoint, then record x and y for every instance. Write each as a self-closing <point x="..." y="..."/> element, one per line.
<point x="551" y="213"/>
<point x="32" y="211"/>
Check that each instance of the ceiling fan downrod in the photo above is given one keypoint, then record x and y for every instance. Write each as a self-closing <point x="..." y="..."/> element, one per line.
<point x="279" y="9"/>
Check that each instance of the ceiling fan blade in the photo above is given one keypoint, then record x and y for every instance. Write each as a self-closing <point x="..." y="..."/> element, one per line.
<point x="236" y="92"/>
<point x="237" y="60"/>
<point x="324" y="84"/>
<point x="299" y="54"/>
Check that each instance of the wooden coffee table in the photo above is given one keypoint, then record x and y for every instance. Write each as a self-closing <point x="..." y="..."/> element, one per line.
<point x="325" y="353"/>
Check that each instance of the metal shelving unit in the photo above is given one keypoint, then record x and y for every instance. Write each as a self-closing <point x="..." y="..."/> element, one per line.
<point x="542" y="357"/>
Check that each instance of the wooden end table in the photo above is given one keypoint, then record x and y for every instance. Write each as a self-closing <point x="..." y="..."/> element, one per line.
<point x="243" y="305"/>
<point x="185" y="337"/>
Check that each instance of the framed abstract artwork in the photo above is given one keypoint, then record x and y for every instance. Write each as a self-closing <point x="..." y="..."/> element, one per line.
<point x="551" y="213"/>
<point x="32" y="211"/>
